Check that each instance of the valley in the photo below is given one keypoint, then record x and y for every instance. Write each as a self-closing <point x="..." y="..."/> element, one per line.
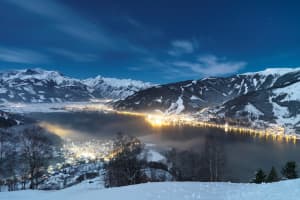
<point x="100" y="124"/>
<point x="88" y="128"/>
<point x="154" y="100"/>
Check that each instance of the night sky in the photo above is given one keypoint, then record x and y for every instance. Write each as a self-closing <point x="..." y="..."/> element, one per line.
<point x="156" y="40"/>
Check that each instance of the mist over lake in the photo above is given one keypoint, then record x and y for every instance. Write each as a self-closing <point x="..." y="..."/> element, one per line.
<point x="244" y="153"/>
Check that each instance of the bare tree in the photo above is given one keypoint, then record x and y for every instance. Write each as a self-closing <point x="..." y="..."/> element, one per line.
<point x="23" y="173"/>
<point x="2" y="182"/>
<point x="3" y="143"/>
<point x="125" y="168"/>
<point x="186" y="165"/>
<point x="214" y="158"/>
<point x="36" y="151"/>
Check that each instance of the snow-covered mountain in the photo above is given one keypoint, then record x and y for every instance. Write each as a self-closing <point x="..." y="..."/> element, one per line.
<point x="114" y="88"/>
<point x="194" y="95"/>
<point x="37" y="85"/>
<point x="271" y="95"/>
<point x="278" y="104"/>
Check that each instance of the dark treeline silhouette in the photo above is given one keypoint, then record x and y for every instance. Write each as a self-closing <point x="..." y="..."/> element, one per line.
<point x="289" y="171"/>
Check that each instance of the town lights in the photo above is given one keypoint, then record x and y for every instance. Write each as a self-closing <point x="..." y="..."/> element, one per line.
<point x="158" y="120"/>
<point x="226" y="127"/>
<point x="88" y="151"/>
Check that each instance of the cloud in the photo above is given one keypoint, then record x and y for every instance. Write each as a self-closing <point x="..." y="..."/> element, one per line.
<point x="133" y="22"/>
<point x="68" y="21"/>
<point x="16" y="55"/>
<point x="135" y="68"/>
<point x="211" y="65"/>
<point x="75" y="56"/>
<point x="180" y="47"/>
<point x="143" y="30"/>
<point x="151" y="64"/>
<point x="155" y="62"/>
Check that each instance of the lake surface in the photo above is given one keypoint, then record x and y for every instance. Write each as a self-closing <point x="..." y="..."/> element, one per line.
<point x="244" y="154"/>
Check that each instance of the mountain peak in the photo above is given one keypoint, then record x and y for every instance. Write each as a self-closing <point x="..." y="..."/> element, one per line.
<point x="39" y="85"/>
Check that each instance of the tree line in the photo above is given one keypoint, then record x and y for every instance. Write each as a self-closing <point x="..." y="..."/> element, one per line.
<point x="289" y="171"/>
<point x="127" y="167"/>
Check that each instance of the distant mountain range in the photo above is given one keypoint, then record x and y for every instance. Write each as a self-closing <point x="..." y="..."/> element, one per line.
<point x="272" y="95"/>
<point x="39" y="86"/>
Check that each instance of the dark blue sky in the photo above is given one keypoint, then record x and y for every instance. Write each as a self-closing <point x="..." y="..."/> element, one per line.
<point x="158" y="41"/>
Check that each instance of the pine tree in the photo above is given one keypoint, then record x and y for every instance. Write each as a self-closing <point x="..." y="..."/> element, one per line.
<point x="260" y="176"/>
<point x="272" y="177"/>
<point x="289" y="170"/>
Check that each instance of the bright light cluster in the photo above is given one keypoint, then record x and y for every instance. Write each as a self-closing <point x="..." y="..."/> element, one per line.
<point x="157" y="120"/>
<point x="87" y="151"/>
<point x="274" y="132"/>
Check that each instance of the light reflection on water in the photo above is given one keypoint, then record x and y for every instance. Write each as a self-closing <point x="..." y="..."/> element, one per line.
<point x="244" y="153"/>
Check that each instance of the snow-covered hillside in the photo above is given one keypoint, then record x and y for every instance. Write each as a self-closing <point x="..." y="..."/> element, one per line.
<point x="167" y="191"/>
<point x="194" y="95"/>
<point x="37" y="85"/>
<point x="278" y="104"/>
<point x="271" y="95"/>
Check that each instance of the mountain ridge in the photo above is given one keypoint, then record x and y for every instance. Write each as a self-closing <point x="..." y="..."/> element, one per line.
<point x="40" y="86"/>
<point x="272" y="95"/>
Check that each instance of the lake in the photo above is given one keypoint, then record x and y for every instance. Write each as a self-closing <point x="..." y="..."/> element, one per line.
<point x="244" y="153"/>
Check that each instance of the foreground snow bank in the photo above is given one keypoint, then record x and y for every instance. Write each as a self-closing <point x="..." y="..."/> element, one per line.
<point x="167" y="190"/>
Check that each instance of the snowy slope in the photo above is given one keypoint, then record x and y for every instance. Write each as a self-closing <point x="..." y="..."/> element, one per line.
<point x="280" y="105"/>
<point x="287" y="106"/>
<point x="195" y="95"/>
<point x="38" y="85"/>
<point x="168" y="191"/>
<point x="272" y="95"/>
